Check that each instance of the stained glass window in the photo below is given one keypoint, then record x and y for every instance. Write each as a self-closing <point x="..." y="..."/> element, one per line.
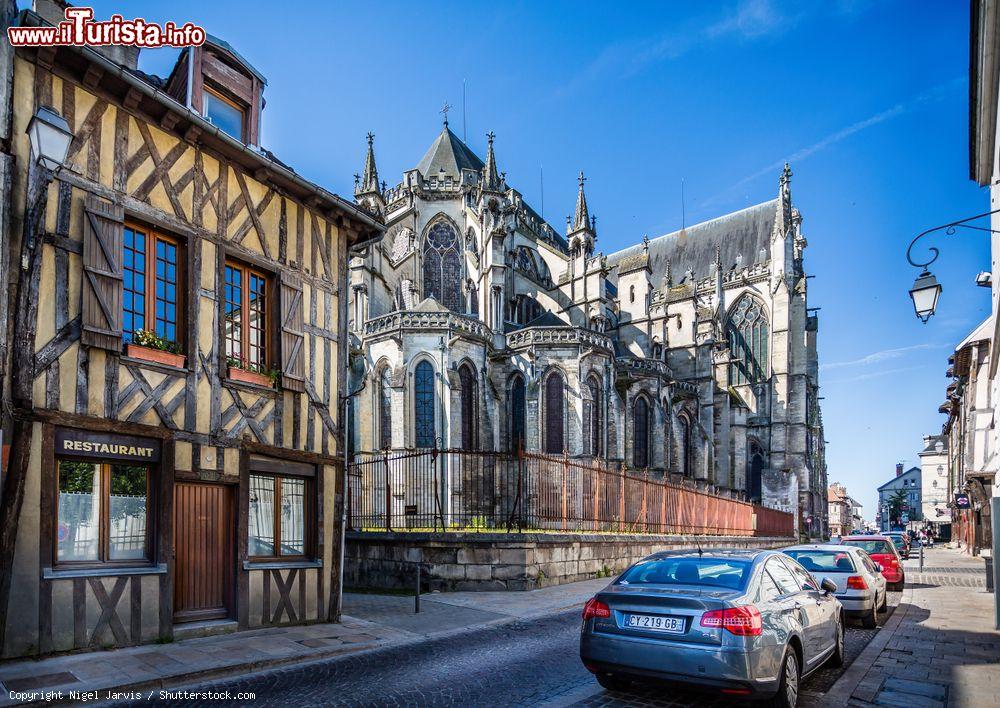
<point x="640" y="433"/>
<point x="423" y="389"/>
<point x="684" y="440"/>
<point x="384" y="410"/>
<point x="517" y="413"/>
<point x="747" y="342"/>
<point x="592" y="414"/>
<point x="467" y="377"/>
<point x="443" y="266"/>
<point x="554" y="439"/>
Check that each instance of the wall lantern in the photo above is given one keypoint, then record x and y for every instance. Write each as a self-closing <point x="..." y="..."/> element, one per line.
<point x="50" y="137"/>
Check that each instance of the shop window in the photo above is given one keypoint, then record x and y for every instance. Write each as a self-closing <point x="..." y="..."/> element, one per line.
<point x="225" y="114"/>
<point x="102" y="512"/>
<point x="151" y="290"/>
<point x="278" y="520"/>
<point x="248" y="317"/>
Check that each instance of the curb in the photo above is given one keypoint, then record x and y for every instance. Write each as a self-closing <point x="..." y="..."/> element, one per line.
<point x="840" y="694"/>
<point x="191" y="680"/>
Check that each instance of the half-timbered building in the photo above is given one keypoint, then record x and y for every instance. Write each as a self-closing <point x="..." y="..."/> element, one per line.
<point x="181" y="462"/>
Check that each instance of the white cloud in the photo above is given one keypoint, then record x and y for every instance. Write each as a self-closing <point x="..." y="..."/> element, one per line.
<point x="880" y="356"/>
<point x="873" y="375"/>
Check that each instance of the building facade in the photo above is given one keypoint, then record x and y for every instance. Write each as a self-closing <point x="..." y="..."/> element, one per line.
<point x="844" y="511"/>
<point x="174" y="437"/>
<point x="899" y="500"/>
<point x="935" y="497"/>
<point x="480" y="326"/>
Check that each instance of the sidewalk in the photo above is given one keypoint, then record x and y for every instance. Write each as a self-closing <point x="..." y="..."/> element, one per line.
<point x="370" y="622"/>
<point x="938" y="649"/>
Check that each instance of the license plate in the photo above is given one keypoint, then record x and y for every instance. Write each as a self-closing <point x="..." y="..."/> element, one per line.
<point x="655" y="623"/>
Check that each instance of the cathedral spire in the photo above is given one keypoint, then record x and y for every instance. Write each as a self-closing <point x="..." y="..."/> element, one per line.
<point x="582" y="218"/>
<point x="784" y="215"/>
<point x="369" y="180"/>
<point x="367" y="189"/>
<point x="491" y="178"/>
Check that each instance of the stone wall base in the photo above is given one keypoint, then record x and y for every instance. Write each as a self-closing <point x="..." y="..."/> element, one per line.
<point x="516" y="561"/>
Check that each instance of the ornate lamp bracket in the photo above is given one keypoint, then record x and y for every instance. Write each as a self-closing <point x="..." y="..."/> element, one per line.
<point x="949" y="229"/>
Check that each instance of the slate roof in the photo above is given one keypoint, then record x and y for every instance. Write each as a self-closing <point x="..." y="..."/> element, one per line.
<point x="742" y="233"/>
<point x="448" y="155"/>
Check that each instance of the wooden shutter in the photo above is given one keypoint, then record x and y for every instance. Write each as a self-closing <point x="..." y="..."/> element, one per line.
<point x="103" y="225"/>
<point x="293" y="368"/>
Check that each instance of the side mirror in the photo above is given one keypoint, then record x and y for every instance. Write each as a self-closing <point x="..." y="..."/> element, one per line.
<point x="828" y="585"/>
<point x="878" y="567"/>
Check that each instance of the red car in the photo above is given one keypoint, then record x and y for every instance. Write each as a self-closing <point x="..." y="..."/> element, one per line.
<point x="883" y="551"/>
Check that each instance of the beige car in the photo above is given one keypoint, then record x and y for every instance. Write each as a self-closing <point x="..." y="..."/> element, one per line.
<point x="861" y="588"/>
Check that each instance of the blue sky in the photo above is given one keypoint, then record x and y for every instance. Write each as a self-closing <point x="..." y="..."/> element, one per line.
<point x="868" y="100"/>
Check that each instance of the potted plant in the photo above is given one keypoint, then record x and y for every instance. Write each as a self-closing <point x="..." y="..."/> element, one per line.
<point x="148" y="346"/>
<point x="252" y="373"/>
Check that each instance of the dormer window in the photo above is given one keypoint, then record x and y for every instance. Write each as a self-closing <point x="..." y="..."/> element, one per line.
<point x="227" y="115"/>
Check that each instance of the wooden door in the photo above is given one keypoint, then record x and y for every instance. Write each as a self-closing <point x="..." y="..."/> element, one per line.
<point x="203" y="551"/>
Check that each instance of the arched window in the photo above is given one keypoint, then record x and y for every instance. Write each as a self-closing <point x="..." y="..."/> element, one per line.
<point x="592" y="415"/>
<point x="755" y="470"/>
<point x="747" y="341"/>
<point x="684" y="440"/>
<point x="517" y="413"/>
<point x="640" y="433"/>
<point x="424" y="405"/>
<point x="384" y="399"/>
<point x="470" y="431"/>
<point x="554" y="438"/>
<point x="443" y="266"/>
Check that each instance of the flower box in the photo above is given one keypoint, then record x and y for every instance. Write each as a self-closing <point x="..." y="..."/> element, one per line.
<point x="137" y="351"/>
<point x="251" y="377"/>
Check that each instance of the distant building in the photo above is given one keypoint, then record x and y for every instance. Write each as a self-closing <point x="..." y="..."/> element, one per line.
<point x="934" y="484"/>
<point x="844" y="511"/>
<point x="899" y="500"/>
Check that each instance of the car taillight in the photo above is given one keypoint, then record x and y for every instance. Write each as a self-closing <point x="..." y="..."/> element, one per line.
<point x="743" y="621"/>
<point x="596" y="608"/>
<point x="856" y="582"/>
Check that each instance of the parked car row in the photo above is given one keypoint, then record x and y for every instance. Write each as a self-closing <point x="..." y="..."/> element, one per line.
<point x="745" y="623"/>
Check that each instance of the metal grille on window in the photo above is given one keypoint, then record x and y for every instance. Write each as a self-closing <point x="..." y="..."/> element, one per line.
<point x="443" y="266"/>
<point x="640" y="433"/>
<point x="554" y="440"/>
<point x="747" y="342"/>
<point x="469" y="429"/>
<point x="423" y="390"/>
<point x="384" y="410"/>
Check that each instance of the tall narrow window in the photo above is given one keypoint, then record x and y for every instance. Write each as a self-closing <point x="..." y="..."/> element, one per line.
<point x="640" y="433"/>
<point x="594" y="416"/>
<point x="247" y="312"/>
<point x="684" y="444"/>
<point x="443" y="266"/>
<point x="747" y="342"/>
<point x="554" y="416"/>
<point x="150" y="298"/>
<point x="384" y="409"/>
<point x="517" y="413"/>
<point x="755" y="471"/>
<point x="467" y="379"/>
<point x="423" y="398"/>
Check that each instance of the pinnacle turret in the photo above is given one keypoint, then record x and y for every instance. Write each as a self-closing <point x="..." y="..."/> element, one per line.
<point x="367" y="189"/>
<point x="582" y="217"/>
<point x="492" y="181"/>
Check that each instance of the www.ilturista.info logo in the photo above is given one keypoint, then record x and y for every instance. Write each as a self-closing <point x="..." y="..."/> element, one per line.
<point x="79" y="29"/>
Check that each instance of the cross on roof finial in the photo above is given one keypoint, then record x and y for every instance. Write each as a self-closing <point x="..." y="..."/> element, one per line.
<point x="371" y="138"/>
<point x="444" y="109"/>
<point x="489" y="137"/>
<point x="582" y="178"/>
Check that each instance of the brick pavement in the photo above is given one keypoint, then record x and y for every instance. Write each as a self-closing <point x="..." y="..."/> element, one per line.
<point x="370" y="622"/>
<point x="938" y="649"/>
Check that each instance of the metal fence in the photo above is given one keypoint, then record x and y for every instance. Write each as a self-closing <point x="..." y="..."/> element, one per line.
<point x="457" y="490"/>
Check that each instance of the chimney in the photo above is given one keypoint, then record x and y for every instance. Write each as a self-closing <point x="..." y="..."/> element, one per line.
<point x="899" y="468"/>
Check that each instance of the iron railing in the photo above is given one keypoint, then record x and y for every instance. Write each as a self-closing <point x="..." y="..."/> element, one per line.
<point x="458" y="490"/>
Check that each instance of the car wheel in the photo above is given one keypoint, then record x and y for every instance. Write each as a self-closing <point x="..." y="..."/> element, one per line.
<point x="870" y="620"/>
<point x="613" y="682"/>
<point x="837" y="658"/>
<point x="788" y="686"/>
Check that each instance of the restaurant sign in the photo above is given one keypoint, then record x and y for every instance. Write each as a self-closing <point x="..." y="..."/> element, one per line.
<point x="83" y="443"/>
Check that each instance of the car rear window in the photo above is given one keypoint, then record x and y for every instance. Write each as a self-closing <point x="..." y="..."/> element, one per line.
<point x="824" y="561"/>
<point x="714" y="572"/>
<point x="899" y="541"/>
<point x="871" y="546"/>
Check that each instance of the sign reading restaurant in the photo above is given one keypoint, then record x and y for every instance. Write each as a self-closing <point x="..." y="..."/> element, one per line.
<point x="83" y="443"/>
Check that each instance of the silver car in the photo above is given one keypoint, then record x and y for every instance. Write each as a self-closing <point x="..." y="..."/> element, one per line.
<point x="744" y="623"/>
<point x="860" y="583"/>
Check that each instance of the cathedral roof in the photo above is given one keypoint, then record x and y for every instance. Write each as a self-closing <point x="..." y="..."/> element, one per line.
<point x="743" y="233"/>
<point x="448" y="155"/>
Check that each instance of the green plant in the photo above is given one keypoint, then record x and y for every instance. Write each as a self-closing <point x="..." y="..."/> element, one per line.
<point x="273" y="374"/>
<point x="147" y="338"/>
